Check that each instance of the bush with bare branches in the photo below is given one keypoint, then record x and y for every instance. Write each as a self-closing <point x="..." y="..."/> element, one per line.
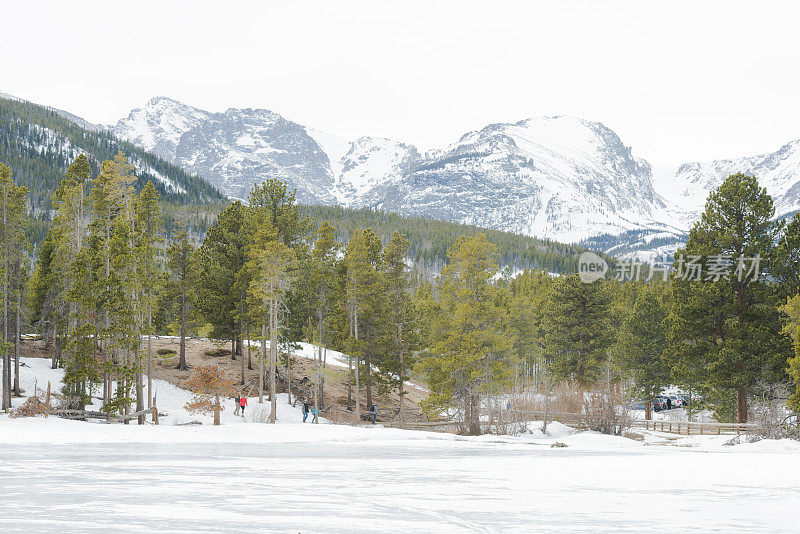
<point x="208" y="384"/>
<point x="32" y="407"/>
<point x="769" y="413"/>
<point x="607" y="413"/>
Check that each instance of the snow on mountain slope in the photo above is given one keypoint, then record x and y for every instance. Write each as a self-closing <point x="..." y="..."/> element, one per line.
<point x="159" y="125"/>
<point x="240" y="148"/>
<point x="335" y="147"/>
<point x="53" y="142"/>
<point x="562" y="178"/>
<point x="778" y="171"/>
<point x="371" y="169"/>
<point x="556" y="177"/>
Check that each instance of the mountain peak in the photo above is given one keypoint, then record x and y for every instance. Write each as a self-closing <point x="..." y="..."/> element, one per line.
<point x="555" y="176"/>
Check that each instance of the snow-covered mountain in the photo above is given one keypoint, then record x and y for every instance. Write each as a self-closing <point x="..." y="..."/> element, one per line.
<point x="559" y="177"/>
<point x="38" y="142"/>
<point x="556" y="177"/>
<point x="159" y="125"/>
<point x="562" y="178"/>
<point x="778" y="171"/>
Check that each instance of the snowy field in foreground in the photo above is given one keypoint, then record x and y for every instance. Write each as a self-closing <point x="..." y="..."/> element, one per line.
<point x="65" y="476"/>
<point x="69" y="476"/>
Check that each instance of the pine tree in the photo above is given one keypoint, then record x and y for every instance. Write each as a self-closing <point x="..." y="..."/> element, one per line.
<point x="577" y="329"/>
<point x="148" y="239"/>
<point x="471" y="356"/>
<point x="529" y="293"/>
<point x="14" y="208"/>
<point x="181" y="265"/>
<point x="792" y="310"/>
<point x="640" y="346"/>
<point x="399" y="310"/>
<point x="222" y="279"/>
<point x="732" y="321"/>
<point x="786" y="266"/>
<point x="324" y="258"/>
<point x="360" y="258"/>
<point x="271" y="264"/>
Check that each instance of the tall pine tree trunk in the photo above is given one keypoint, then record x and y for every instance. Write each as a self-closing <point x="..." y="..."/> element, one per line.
<point x="182" y="360"/>
<point x="263" y="359"/>
<point x="350" y="369"/>
<point x="6" y="404"/>
<point x="273" y="357"/>
<point x="140" y="396"/>
<point x="741" y="405"/>
<point x="289" y="371"/>
<point x="149" y="355"/>
<point x="322" y="377"/>
<point x="367" y="368"/>
<point x="401" y="389"/>
<point x="316" y="394"/>
<point x="318" y="397"/>
<point x="241" y="360"/>
<point x="358" y="397"/>
<point x="473" y="413"/>
<point x="17" y="342"/>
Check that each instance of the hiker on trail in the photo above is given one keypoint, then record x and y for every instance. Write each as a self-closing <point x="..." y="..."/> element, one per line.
<point x="373" y="412"/>
<point x="236" y="400"/>
<point x="305" y="410"/>
<point x="243" y="404"/>
<point x="314" y="411"/>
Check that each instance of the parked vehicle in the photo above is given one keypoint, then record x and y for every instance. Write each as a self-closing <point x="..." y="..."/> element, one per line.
<point x="636" y="405"/>
<point x="659" y="403"/>
<point x="677" y="402"/>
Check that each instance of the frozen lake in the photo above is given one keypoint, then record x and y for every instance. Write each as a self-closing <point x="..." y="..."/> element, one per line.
<point x="333" y="479"/>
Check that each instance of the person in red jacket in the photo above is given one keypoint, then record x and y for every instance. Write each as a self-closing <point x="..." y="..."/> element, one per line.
<point x="242" y="403"/>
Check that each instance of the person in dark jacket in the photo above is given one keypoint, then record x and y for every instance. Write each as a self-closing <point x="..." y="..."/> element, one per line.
<point x="305" y="411"/>
<point x="373" y="412"/>
<point x="236" y="401"/>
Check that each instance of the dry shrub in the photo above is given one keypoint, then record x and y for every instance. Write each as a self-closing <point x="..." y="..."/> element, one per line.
<point x="567" y="397"/>
<point x="608" y="413"/>
<point x="770" y="415"/>
<point x="208" y="385"/>
<point x="31" y="408"/>
<point x="259" y="413"/>
<point x="503" y="421"/>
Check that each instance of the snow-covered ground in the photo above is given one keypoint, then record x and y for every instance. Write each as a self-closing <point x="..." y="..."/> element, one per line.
<point x="69" y="476"/>
<point x="170" y="399"/>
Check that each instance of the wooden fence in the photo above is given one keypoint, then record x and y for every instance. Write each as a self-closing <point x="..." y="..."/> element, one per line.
<point x="578" y="421"/>
<point x="693" y="427"/>
<point x="103" y="416"/>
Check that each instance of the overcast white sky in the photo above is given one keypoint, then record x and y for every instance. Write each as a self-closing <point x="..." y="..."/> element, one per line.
<point x="677" y="81"/>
